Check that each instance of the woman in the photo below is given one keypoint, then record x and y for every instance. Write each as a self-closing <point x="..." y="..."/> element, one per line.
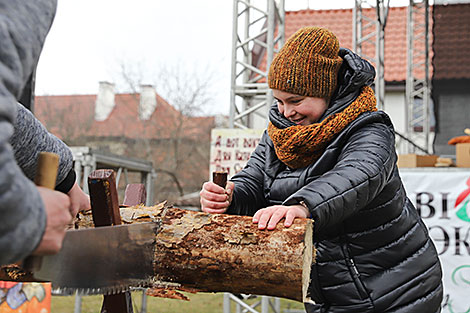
<point x="329" y="155"/>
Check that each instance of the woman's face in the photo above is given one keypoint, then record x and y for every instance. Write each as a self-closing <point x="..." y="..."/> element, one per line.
<point x="301" y="110"/>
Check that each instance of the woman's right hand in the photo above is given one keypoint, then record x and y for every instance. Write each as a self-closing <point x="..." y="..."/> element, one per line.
<point x="215" y="199"/>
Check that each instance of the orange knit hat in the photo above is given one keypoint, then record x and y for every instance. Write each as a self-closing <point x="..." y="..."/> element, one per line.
<point x="307" y="64"/>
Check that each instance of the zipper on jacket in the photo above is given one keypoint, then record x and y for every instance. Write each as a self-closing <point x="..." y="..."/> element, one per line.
<point x="357" y="280"/>
<point x="353" y="265"/>
<point x="355" y="275"/>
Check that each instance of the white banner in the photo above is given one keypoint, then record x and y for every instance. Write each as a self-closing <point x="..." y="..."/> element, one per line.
<point x="442" y="198"/>
<point x="231" y="148"/>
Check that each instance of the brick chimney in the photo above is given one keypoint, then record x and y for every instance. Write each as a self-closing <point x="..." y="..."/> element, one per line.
<point x="104" y="104"/>
<point x="148" y="101"/>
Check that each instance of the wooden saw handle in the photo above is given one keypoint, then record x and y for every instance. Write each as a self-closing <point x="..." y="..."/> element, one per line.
<point x="219" y="178"/>
<point x="46" y="175"/>
<point x="47" y="168"/>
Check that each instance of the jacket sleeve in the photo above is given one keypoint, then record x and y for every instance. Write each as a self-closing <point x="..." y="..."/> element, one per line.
<point x="30" y="138"/>
<point x="363" y="168"/>
<point x="248" y="194"/>
<point x="23" y="28"/>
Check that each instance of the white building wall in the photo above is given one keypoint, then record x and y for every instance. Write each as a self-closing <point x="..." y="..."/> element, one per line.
<point x="395" y="107"/>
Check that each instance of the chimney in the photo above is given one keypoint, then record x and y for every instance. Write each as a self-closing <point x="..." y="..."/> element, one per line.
<point x="104" y="104"/>
<point x="148" y="101"/>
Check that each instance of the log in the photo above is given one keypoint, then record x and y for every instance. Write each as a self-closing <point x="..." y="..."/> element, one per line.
<point x="228" y="253"/>
<point x="196" y="251"/>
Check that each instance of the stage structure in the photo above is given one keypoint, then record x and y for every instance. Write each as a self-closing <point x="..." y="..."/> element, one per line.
<point x="256" y="28"/>
<point x="86" y="160"/>
<point x="370" y="30"/>
<point x="418" y="84"/>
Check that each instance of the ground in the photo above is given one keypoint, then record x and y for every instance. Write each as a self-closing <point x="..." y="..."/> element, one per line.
<point x="199" y="303"/>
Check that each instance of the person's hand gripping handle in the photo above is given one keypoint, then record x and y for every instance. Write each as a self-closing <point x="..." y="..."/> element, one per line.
<point x="56" y="204"/>
<point x="216" y="195"/>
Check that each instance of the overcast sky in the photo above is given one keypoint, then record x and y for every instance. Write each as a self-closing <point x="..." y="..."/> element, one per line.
<point x="90" y="40"/>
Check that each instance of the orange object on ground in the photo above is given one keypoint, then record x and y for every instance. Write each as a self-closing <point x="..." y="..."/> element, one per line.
<point x="25" y="297"/>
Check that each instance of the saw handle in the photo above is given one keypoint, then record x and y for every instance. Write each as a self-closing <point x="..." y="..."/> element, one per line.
<point x="47" y="168"/>
<point x="219" y="178"/>
<point x="46" y="175"/>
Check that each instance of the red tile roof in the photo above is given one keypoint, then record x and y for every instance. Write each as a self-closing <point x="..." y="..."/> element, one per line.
<point x="340" y="22"/>
<point x="451" y="41"/>
<point x="72" y="116"/>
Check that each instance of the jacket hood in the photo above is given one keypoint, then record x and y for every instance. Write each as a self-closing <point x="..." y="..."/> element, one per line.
<point x="355" y="72"/>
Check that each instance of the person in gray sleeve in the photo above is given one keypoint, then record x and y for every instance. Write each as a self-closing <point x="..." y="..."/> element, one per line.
<point x="33" y="219"/>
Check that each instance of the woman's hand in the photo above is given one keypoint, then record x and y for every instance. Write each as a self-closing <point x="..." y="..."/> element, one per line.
<point x="270" y="216"/>
<point x="215" y="199"/>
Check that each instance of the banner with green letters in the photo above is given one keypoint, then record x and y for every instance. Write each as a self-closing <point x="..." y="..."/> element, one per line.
<point x="442" y="197"/>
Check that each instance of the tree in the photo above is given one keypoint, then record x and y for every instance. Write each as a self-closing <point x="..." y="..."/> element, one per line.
<point x="183" y="156"/>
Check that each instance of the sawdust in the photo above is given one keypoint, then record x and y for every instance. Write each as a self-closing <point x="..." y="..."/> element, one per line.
<point x="129" y="215"/>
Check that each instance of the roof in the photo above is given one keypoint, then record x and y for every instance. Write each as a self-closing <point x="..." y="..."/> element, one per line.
<point x="340" y="23"/>
<point x="451" y="40"/>
<point x="449" y="36"/>
<point x="72" y="116"/>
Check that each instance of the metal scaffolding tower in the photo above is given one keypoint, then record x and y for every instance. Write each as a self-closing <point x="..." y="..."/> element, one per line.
<point x="369" y="34"/>
<point x="418" y="85"/>
<point x="369" y="31"/>
<point x="258" y="30"/>
<point x="254" y="32"/>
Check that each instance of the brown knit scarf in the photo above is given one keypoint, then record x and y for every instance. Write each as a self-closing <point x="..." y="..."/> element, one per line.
<point x="298" y="146"/>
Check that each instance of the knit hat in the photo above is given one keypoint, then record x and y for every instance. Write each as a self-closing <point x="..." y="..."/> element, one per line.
<point x="307" y="64"/>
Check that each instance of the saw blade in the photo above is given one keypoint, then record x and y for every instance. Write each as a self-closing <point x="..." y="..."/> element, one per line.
<point x="103" y="260"/>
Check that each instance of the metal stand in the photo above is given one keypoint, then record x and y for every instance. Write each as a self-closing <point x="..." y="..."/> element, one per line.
<point x="105" y="210"/>
<point x="86" y="160"/>
<point x="265" y="303"/>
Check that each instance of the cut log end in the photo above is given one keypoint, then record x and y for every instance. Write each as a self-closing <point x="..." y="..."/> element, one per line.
<point x="308" y="259"/>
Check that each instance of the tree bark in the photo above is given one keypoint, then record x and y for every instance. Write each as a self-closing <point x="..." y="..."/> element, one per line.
<point x="227" y="253"/>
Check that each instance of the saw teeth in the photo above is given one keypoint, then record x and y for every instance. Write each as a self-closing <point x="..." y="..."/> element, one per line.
<point x="112" y="290"/>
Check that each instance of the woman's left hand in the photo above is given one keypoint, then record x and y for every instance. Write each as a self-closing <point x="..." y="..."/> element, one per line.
<point x="270" y="216"/>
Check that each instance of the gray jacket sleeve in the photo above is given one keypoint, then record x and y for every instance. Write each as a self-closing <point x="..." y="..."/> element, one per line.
<point x="29" y="138"/>
<point x="24" y="25"/>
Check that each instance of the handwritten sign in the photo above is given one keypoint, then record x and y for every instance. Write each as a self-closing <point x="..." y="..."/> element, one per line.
<point x="231" y="148"/>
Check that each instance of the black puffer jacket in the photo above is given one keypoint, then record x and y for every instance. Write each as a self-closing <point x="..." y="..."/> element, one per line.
<point x="374" y="253"/>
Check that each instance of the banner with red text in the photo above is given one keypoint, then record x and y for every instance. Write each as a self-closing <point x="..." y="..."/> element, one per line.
<point x="231" y="148"/>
